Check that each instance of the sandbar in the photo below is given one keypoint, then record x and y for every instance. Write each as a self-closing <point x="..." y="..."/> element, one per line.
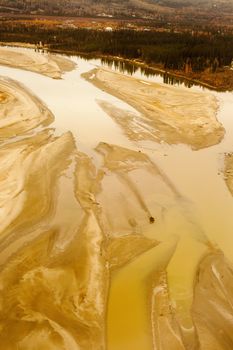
<point x="43" y="63"/>
<point x="166" y="113"/>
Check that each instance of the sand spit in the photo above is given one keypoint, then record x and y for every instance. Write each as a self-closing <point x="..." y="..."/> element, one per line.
<point x="212" y="307"/>
<point x="167" y="333"/>
<point x="46" y="64"/>
<point x="20" y="110"/>
<point x="124" y="222"/>
<point x="128" y="204"/>
<point x="228" y="171"/>
<point x="165" y="114"/>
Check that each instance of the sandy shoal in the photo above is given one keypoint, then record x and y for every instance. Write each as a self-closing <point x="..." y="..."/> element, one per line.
<point x="166" y="113"/>
<point x="51" y="297"/>
<point x="228" y="171"/>
<point x="57" y="243"/>
<point x="71" y="232"/>
<point x="47" y="64"/>
<point x="20" y="110"/>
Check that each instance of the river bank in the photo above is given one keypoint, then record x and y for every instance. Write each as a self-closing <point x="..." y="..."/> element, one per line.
<point x="221" y="81"/>
<point x="218" y="81"/>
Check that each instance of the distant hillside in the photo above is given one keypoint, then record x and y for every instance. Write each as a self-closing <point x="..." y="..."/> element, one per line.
<point x="198" y="4"/>
<point x="69" y="7"/>
<point x="105" y="8"/>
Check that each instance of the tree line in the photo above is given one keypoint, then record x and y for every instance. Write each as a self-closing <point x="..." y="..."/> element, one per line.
<point x="170" y="50"/>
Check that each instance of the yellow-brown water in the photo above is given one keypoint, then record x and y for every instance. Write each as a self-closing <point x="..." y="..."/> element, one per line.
<point x="189" y="200"/>
<point x="129" y="307"/>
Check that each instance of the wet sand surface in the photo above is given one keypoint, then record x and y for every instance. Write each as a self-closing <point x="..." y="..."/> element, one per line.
<point x="49" y="65"/>
<point x="111" y="236"/>
<point x="165" y="113"/>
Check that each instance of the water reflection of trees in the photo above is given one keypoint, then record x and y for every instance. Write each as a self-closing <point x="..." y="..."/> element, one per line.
<point x="131" y="68"/>
<point x="126" y="67"/>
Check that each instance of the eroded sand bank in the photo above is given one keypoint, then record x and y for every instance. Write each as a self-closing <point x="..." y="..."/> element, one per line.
<point x="165" y="114"/>
<point x="47" y="64"/>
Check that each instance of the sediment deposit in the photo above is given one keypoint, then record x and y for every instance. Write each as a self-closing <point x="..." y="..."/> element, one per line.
<point x="165" y="113"/>
<point x="47" y="64"/>
<point x="228" y="171"/>
<point x="89" y="249"/>
<point x="51" y="297"/>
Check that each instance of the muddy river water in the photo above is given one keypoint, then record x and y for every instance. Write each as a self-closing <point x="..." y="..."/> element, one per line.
<point x="202" y="217"/>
